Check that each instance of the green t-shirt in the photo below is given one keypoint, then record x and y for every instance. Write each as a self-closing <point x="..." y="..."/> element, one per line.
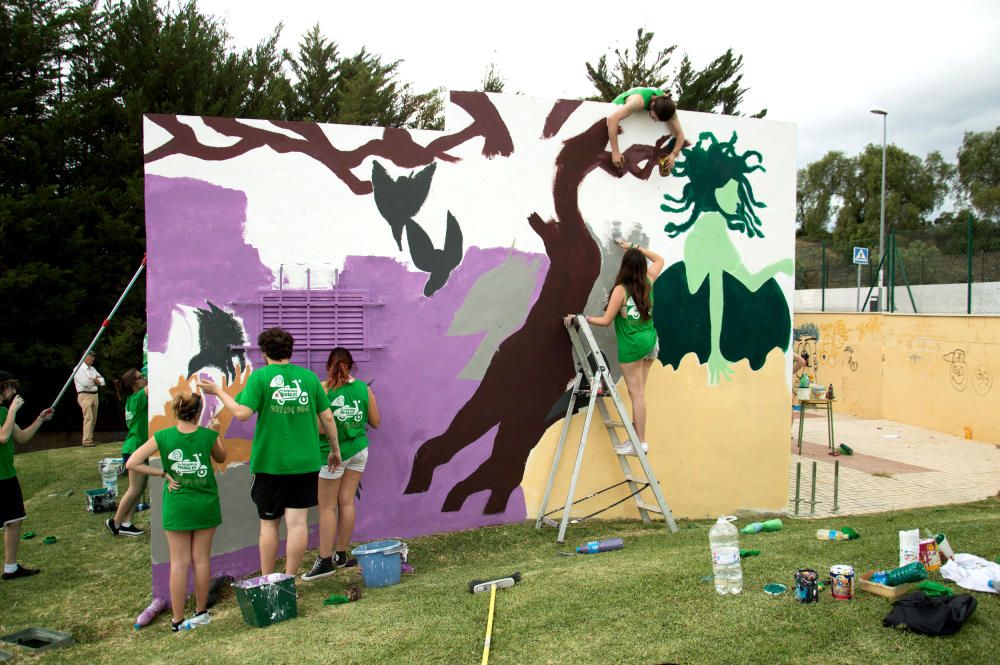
<point x="6" y="450"/>
<point x="349" y="404"/>
<point x="647" y="95"/>
<point x="636" y="338"/>
<point x="137" y="421"/>
<point x="287" y="400"/>
<point x="188" y="460"/>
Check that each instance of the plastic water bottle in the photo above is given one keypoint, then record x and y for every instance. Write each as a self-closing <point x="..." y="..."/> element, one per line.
<point x="109" y="476"/>
<point x="148" y="614"/>
<point x="768" y="526"/>
<point x="830" y="534"/>
<point x="595" y="546"/>
<point x="724" y="541"/>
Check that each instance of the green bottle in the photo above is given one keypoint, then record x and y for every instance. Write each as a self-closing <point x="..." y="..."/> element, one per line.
<point x="768" y="526"/>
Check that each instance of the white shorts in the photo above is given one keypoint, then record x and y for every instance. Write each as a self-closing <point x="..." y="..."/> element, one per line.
<point x="355" y="463"/>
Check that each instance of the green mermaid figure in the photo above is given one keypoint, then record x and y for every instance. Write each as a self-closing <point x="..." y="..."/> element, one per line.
<point x="744" y="313"/>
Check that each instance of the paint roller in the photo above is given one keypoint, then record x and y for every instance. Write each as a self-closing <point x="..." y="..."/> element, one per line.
<point x="480" y="586"/>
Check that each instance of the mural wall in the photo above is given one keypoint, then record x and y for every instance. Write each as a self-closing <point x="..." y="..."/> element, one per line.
<point x="932" y="371"/>
<point x="445" y="261"/>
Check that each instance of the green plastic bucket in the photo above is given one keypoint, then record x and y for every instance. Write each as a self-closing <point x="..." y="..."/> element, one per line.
<point x="268" y="599"/>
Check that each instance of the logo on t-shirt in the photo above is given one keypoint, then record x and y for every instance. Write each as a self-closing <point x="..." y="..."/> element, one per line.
<point x="343" y="413"/>
<point x="129" y="415"/>
<point x="292" y="393"/>
<point x="183" y="467"/>
<point x="632" y="311"/>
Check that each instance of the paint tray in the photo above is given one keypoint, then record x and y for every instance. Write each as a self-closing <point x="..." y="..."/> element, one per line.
<point x="39" y="639"/>
<point x="101" y="500"/>
<point x="268" y="599"/>
<point x="891" y="592"/>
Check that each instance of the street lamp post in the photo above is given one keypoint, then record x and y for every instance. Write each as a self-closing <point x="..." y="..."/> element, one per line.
<point x="881" y="224"/>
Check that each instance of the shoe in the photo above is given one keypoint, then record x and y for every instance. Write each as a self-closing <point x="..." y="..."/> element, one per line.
<point x="21" y="572"/>
<point x="645" y="446"/>
<point x="110" y="523"/>
<point x="89" y="445"/>
<point x="322" y="567"/>
<point x="199" y="619"/>
<point x="176" y="627"/>
<point x="625" y="448"/>
<point x="341" y="560"/>
<point x="130" y="530"/>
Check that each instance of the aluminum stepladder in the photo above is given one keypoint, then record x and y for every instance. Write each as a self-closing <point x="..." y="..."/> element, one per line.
<point x="593" y="378"/>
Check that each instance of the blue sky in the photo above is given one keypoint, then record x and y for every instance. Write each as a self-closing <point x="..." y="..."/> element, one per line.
<point x="933" y="66"/>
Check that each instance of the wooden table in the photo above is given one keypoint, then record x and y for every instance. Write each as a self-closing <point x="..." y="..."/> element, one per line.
<point x="819" y="405"/>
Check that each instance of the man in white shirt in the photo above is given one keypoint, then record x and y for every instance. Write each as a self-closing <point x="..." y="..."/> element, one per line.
<point x="88" y="380"/>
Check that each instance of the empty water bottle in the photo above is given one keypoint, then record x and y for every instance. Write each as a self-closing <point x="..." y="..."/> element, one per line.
<point x="109" y="476"/>
<point x="724" y="542"/>
<point x="148" y="614"/>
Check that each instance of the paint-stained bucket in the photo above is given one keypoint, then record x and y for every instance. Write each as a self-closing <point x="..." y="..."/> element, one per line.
<point x="380" y="562"/>
<point x="268" y="599"/>
<point x="842" y="582"/>
<point x="929" y="555"/>
<point x="806" y="585"/>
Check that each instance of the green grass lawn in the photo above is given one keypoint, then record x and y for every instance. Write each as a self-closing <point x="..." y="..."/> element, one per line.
<point x="645" y="604"/>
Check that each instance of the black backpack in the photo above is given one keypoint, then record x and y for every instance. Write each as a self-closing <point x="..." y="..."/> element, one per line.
<point x="931" y="616"/>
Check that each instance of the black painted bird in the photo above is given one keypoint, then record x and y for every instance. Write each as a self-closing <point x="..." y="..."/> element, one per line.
<point x="398" y="201"/>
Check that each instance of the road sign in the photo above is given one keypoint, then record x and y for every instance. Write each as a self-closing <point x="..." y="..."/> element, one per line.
<point x="861" y="256"/>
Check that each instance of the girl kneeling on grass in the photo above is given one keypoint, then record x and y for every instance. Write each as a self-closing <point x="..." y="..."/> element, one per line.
<point x="191" y="509"/>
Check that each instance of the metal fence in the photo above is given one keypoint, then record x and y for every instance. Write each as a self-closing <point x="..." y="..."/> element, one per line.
<point x="952" y="269"/>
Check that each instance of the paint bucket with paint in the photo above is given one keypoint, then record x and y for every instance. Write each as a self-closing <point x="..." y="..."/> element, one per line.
<point x="267" y="599"/>
<point x="842" y="582"/>
<point x="380" y="562"/>
<point x="806" y="585"/>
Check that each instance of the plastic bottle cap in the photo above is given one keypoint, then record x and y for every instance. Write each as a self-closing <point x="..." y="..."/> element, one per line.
<point x="774" y="589"/>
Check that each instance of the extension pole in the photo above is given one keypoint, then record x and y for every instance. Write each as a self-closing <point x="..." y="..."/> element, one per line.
<point x="100" y="331"/>
<point x="489" y="625"/>
<point x="798" y="478"/>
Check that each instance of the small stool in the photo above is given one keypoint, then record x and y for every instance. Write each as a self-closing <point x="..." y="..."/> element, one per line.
<point x="819" y="405"/>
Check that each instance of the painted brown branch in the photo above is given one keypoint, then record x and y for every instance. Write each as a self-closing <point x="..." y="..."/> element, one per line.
<point x="538" y="354"/>
<point x="560" y="113"/>
<point x="396" y="145"/>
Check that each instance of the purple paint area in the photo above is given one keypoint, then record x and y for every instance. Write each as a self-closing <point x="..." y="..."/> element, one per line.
<point x="237" y="564"/>
<point x="418" y="392"/>
<point x="197" y="254"/>
<point x="194" y="233"/>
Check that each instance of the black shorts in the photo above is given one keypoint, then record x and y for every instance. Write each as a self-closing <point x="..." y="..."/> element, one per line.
<point x="125" y="457"/>
<point x="11" y="501"/>
<point x="272" y="494"/>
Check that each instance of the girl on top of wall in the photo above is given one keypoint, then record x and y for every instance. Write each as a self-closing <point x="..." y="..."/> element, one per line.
<point x="630" y="307"/>
<point x="660" y="107"/>
<point x="132" y="384"/>
<point x="353" y="405"/>
<point x="191" y="509"/>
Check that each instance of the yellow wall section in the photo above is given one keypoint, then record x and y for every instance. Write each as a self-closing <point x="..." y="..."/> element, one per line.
<point x="938" y="372"/>
<point x="714" y="449"/>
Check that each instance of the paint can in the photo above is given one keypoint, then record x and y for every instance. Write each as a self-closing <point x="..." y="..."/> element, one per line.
<point x="842" y="582"/>
<point x="806" y="585"/>
<point x="929" y="555"/>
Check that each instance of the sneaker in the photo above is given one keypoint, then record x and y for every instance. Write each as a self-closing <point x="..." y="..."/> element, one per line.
<point x="645" y="446"/>
<point x="176" y="627"/>
<point x="130" y="530"/>
<point x="200" y="619"/>
<point x="110" y="523"/>
<point x="625" y="448"/>
<point x="341" y="560"/>
<point x="322" y="567"/>
<point x="21" y="572"/>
